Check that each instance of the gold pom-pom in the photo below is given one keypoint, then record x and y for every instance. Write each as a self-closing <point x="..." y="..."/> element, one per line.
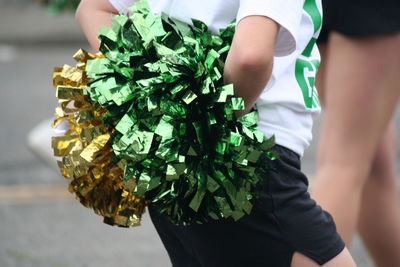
<point x="96" y="176"/>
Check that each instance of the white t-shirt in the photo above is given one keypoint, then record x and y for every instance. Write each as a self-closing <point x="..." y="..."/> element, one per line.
<point x="287" y="105"/>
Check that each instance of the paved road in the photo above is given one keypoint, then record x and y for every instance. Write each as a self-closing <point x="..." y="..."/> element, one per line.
<point x="41" y="224"/>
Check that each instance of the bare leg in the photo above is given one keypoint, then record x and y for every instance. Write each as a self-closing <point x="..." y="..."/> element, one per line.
<point x="344" y="259"/>
<point x="379" y="220"/>
<point x="321" y="74"/>
<point x="361" y="93"/>
<point x="379" y="197"/>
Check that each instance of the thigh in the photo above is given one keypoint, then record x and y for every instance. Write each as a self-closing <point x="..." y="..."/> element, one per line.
<point x="255" y="240"/>
<point x="343" y="259"/>
<point x="252" y="241"/>
<point x="309" y="229"/>
<point x="362" y="90"/>
<point x="284" y="219"/>
<point x="172" y="238"/>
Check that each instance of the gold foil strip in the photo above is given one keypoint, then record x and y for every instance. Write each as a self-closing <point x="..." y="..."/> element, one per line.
<point x="96" y="178"/>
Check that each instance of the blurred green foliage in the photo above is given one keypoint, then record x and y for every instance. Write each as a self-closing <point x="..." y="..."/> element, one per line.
<point x="56" y="7"/>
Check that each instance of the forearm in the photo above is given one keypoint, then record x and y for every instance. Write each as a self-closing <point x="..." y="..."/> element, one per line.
<point x="250" y="60"/>
<point x="92" y="15"/>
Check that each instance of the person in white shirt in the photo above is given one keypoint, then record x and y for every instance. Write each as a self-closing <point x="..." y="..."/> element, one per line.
<point x="272" y="64"/>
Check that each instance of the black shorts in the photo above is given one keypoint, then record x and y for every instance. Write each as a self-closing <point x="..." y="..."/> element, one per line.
<point x="283" y="220"/>
<point x="358" y="18"/>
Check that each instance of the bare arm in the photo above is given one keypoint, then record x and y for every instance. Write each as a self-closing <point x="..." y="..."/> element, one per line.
<point x="91" y="15"/>
<point x="250" y="60"/>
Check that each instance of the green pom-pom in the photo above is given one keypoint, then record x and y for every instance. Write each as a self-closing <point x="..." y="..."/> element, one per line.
<point x="161" y="81"/>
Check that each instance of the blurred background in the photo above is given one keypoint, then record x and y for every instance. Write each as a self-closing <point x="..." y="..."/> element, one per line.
<point x="41" y="223"/>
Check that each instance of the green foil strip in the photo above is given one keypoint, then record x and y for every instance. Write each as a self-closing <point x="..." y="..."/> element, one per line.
<point x="175" y="128"/>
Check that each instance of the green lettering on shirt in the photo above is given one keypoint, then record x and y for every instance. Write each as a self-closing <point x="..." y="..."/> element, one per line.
<point x="306" y="68"/>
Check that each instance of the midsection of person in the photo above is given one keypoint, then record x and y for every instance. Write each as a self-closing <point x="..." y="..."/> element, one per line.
<point x="289" y="101"/>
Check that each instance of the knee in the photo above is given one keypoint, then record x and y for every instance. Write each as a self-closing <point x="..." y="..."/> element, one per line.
<point x="383" y="167"/>
<point x="350" y="176"/>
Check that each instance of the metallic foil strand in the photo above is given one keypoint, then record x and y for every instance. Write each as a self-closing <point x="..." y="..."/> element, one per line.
<point x="96" y="175"/>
